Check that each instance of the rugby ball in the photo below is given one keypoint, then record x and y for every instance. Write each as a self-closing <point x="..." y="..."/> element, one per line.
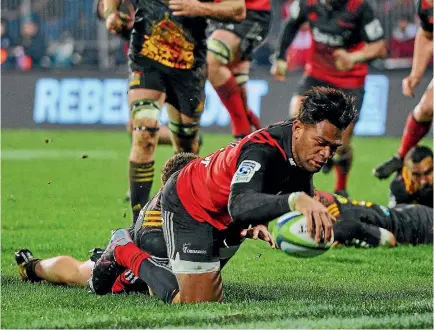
<point x="291" y="236"/>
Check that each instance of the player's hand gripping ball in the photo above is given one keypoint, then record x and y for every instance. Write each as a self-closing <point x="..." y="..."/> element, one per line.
<point x="291" y="236"/>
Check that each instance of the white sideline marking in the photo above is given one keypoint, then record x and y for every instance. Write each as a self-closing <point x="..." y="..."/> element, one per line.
<point x="25" y="154"/>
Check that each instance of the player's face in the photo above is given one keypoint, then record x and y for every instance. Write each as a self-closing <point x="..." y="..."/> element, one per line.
<point x="421" y="173"/>
<point x="315" y="144"/>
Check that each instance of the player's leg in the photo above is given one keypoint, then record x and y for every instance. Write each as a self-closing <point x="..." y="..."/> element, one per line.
<point x="417" y="126"/>
<point x="355" y="233"/>
<point x="185" y="105"/>
<point x="343" y="158"/>
<point x="146" y="96"/>
<point x="222" y="51"/>
<point x="58" y="270"/>
<point x="193" y="249"/>
<point x="241" y="71"/>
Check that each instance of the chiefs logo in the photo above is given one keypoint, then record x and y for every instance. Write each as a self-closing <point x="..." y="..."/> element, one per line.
<point x="168" y="45"/>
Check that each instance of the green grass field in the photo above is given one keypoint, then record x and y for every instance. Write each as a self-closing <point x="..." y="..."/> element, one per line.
<point x="55" y="202"/>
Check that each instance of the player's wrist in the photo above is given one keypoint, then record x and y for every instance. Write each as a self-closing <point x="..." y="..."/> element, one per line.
<point x="292" y="200"/>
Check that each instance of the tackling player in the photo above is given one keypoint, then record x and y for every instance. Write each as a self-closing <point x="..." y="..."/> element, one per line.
<point x="146" y="232"/>
<point x="367" y="224"/>
<point x="167" y="65"/>
<point x="419" y="121"/>
<point x="346" y="34"/>
<point x="414" y="183"/>
<point x="230" y="48"/>
<point x="263" y="176"/>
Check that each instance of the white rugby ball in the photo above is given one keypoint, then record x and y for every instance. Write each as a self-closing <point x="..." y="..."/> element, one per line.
<point x="291" y="236"/>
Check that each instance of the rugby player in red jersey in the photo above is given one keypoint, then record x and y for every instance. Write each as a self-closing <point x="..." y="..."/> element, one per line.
<point x="230" y="48"/>
<point x="346" y="34"/>
<point x="420" y="120"/>
<point x="248" y="183"/>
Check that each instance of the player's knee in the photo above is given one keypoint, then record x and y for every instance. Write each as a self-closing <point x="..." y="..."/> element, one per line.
<point x="218" y="53"/>
<point x="185" y="136"/>
<point x="424" y="110"/>
<point x="145" y="117"/>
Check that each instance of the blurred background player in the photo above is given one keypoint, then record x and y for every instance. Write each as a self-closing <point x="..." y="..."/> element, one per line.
<point x="366" y="224"/>
<point x="419" y="121"/>
<point x="167" y="65"/>
<point x="414" y="182"/>
<point x="230" y="48"/>
<point x="346" y="34"/>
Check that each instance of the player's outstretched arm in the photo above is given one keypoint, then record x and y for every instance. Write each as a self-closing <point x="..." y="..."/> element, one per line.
<point x="231" y="10"/>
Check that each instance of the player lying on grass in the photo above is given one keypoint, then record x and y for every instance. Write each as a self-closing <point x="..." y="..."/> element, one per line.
<point x="266" y="174"/>
<point x="366" y="224"/>
<point x="147" y="235"/>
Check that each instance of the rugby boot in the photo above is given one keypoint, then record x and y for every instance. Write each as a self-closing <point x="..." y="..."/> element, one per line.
<point x="386" y="169"/>
<point x="26" y="263"/>
<point x="106" y="270"/>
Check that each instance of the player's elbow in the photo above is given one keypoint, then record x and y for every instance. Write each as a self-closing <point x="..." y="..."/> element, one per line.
<point x="239" y="11"/>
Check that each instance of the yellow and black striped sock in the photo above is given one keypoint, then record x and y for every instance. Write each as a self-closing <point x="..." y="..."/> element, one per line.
<point x="141" y="178"/>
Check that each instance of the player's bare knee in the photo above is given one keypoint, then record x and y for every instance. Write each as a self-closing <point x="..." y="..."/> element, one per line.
<point x="424" y="110"/>
<point x="145" y="117"/>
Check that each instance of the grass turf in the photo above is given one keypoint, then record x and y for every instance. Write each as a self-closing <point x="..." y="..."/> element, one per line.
<point x="56" y="202"/>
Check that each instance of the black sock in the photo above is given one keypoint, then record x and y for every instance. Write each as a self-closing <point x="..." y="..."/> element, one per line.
<point x="141" y="177"/>
<point x="160" y="279"/>
<point x="30" y="270"/>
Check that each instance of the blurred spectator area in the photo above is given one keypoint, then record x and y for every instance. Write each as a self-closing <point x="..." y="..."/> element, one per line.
<point x="66" y="33"/>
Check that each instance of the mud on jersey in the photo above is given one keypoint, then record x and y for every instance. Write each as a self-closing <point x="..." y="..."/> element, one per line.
<point x="173" y="41"/>
<point x="262" y="161"/>
<point x="348" y="27"/>
<point x="425" y="12"/>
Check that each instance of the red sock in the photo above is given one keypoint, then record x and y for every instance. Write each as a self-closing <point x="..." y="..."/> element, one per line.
<point x="414" y="131"/>
<point x="119" y="285"/>
<point x="341" y="178"/>
<point x="130" y="256"/>
<point x="230" y="95"/>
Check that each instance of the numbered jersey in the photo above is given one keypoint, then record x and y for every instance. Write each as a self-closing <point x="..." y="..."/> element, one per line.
<point x="263" y="160"/>
<point x="349" y="25"/>
<point x="174" y="41"/>
<point x="409" y="223"/>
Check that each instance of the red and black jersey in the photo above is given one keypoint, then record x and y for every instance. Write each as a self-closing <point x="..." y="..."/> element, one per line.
<point x="257" y="168"/>
<point x="347" y="26"/>
<point x="258" y="4"/>
<point x="425" y="12"/>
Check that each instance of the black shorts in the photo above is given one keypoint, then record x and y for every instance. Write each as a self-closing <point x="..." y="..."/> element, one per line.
<point x="193" y="246"/>
<point x="306" y="83"/>
<point x="185" y="89"/>
<point x="252" y="31"/>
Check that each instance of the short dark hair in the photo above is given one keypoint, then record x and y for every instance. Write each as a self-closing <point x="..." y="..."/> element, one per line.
<point x="418" y="153"/>
<point x="325" y="103"/>
<point x="175" y="163"/>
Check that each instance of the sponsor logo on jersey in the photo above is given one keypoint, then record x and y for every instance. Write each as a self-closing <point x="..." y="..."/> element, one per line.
<point x="186" y="249"/>
<point x="327" y="38"/>
<point x="345" y="24"/>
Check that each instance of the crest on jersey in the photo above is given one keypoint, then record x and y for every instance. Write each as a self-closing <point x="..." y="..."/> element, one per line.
<point x="246" y="171"/>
